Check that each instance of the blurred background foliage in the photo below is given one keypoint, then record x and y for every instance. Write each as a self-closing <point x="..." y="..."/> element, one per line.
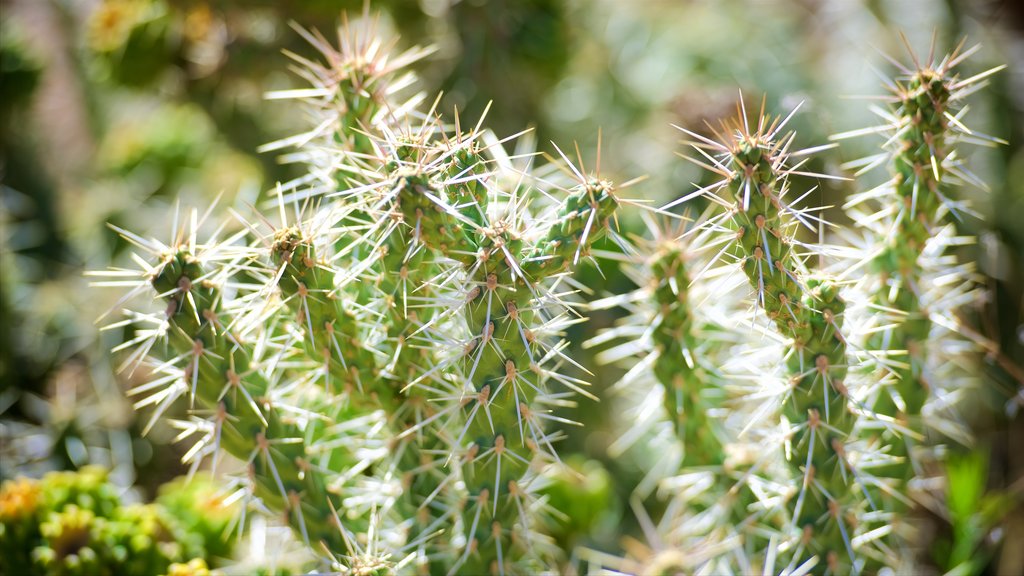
<point x="113" y="110"/>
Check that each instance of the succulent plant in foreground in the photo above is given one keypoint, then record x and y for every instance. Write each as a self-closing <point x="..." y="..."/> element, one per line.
<point x="75" y="523"/>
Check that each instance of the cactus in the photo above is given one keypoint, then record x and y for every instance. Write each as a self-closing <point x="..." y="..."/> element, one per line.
<point x="429" y="234"/>
<point x="678" y="366"/>
<point x="760" y="222"/>
<point x="674" y="345"/>
<point x="911" y="272"/>
<point x="387" y="356"/>
<point x="506" y="367"/>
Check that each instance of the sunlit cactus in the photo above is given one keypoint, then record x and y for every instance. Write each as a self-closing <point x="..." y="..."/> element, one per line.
<point x="760" y="223"/>
<point x="379" y="357"/>
<point x="674" y="344"/>
<point x="381" y="345"/>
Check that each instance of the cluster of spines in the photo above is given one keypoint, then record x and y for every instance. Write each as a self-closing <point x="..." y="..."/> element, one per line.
<point x="677" y="366"/>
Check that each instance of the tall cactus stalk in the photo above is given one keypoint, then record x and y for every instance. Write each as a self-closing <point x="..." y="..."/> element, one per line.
<point x="677" y="366"/>
<point x="672" y="345"/>
<point x="361" y="139"/>
<point x="808" y="311"/>
<point x="924" y="126"/>
<point x="503" y="365"/>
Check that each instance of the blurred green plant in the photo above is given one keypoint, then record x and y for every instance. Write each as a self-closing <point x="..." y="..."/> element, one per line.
<point x="75" y="523"/>
<point x="974" y="512"/>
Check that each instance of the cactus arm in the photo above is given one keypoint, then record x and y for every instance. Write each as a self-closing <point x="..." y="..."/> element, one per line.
<point x="676" y="366"/>
<point x="807" y="311"/>
<point x="332" y="333"/>
<point x="923" y="127"/>
<point x="582" y="218"/>
<point x="226" y="382"/>
<point x="502" y="365"/>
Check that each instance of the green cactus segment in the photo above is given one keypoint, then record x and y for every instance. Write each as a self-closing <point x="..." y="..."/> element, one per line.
<point x="676" y="367"/>
<point x="226" y="382"/>
<point x="362" y="82"/>
<point x="918" y="172"/>
<point x="810" y="312"/>
<point x="359" y="99"/>
<point x="502" y="362"/>
<point x="505" y="425"/>
<point x="433" y="218"/>
<point x="427" y="222"/>
<point x="332" y="332"/>
<point x="583" y="217"/>
<point x="468" y="190"/>
<point x="402" y="280"/>
<point x="404" y="273"/>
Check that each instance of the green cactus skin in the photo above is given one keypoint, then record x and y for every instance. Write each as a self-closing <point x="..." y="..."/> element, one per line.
<point x="808" y="311"/>
<point x="677" y="339"/>
<point x="502" y="363"/>
<point x="691" y="391"/>
<point x="683" y="378"/>
<point x="333" y="335"/>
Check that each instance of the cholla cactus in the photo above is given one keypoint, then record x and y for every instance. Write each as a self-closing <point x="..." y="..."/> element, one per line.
<point x="760" y="222"/>
<point x="924" y="350"/>
<point x="400" y="328"/>
<point x="852" y="484"/>
<point x="385" y="354"/>
<point x="673" y="345"/>
<point x="508" y="357"/>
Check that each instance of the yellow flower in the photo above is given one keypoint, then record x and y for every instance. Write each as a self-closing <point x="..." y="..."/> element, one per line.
<point x="19" y="499"/>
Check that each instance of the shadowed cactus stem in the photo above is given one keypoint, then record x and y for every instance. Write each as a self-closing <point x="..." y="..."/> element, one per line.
<point x="912" y="276"/>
